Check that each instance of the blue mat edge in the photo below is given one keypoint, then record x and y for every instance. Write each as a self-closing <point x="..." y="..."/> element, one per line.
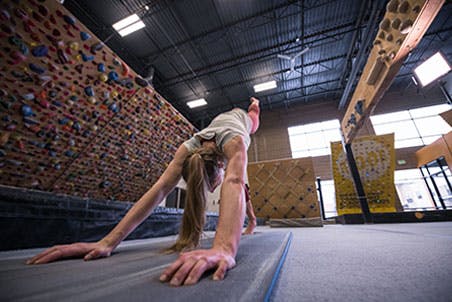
<point x="278" y="269"/>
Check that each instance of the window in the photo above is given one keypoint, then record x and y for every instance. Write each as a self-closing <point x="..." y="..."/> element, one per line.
<point x="415" y="127"/>
<point x="313" y="139"/>
<point x="412" y="190"/>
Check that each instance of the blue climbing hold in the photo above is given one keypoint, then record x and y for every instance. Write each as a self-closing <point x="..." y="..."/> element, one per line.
<point x="96" y="47"/>
<point x="113" y="107"/>
<point x="76" y="126"/>
<point x="63" y="121"/>
<point x="101" y="67"/>
<point x="86" y="58"/>
<point x="89" y="91"/>
<point x="74" y="98"/>
<point x="40" y="51"/>
<point x="36" y="68"/>
<point x="113" y="75"/>
<point x="28" y="96"/>
<point x="69" y="19"/>
<point x="84" y="36"/>
<point x="69" y="153"/>
<point x="27" y="111"/>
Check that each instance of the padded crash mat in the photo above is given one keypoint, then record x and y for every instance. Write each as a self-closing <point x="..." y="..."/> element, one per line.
<point x="132" y="272"/>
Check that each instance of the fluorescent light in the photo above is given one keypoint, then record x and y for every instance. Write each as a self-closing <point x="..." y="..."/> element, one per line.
<point x="433" y="68"/>
<point x="126" y="22"/>
<point x="264" y="86"/>
<point x="197" y="103"/>
<point x="130" y="29"/>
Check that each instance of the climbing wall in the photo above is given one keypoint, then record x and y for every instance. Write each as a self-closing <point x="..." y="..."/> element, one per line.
<point x="75" y="118"/>
<point x="401" y="29"/>
<point x="283" y="189"/>
<point x="375" y="159"/>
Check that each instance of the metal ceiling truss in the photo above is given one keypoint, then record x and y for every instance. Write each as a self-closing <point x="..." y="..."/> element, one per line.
<point x="241" y="25"/>
<point x="260" y="55"/>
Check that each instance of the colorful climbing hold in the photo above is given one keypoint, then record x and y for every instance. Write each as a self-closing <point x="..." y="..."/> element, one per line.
<point x="36" y="68"/>
<point x="84" y="36"/>
<point x="89" y="91"/>
<point x="101" y="67"/>
<point x="112" y="75"/>
<point x="69" y="19"/>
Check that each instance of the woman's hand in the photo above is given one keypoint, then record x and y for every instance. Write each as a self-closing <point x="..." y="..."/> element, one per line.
<point x="190" y="266"/>
<point x="250" y="228"/>
<point x="88" y="251"/>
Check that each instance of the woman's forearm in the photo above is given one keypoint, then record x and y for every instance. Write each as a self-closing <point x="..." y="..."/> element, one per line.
<point x="135" y="216"/>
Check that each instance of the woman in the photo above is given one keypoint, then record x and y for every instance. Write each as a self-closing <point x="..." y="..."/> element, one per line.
<point x="200" y="161"/>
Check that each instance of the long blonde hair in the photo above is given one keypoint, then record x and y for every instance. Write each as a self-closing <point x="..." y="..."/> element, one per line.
<point x="200" y="171"/>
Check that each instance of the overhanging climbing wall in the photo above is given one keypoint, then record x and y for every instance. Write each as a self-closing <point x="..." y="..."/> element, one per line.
<point x="283" y="189"/>
<point x="375" y="158"/>
<point x="75" y="118"/>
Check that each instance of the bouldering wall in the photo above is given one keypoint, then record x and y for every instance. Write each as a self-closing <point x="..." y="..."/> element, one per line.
<point x="75" y="119"/>
<point x="375" y="159"/>
<point x="283" y="189"/>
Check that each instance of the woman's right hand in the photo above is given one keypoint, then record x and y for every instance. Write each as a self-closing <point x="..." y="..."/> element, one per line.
<point x="88" y="251"/>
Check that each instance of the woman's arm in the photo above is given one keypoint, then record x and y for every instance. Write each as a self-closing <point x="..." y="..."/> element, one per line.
<point x="253" y="113"/>
<point x="139" y="212"/>
<point x="250" y="213"/>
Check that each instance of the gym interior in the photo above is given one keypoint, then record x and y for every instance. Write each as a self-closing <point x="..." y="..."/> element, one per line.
<point x="349" y="172"/>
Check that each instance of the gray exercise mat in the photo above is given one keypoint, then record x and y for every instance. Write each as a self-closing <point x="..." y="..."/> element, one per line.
<point x="132" y="273"/>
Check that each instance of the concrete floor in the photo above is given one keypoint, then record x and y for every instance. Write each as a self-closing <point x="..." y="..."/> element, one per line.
<point x="380" y="262"/>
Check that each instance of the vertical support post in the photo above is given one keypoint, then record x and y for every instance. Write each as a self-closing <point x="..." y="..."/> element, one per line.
<point x="438" y="193"/>
<point x="444" y="173"/>
<point x="367" y="216"/>
<point x="428" y="188"/>
<point x="322" y="208"/>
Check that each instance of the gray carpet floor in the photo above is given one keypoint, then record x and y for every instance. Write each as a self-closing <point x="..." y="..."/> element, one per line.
<point x="380" y="262"/>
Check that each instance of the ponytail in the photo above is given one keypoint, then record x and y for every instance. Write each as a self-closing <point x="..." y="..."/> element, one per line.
<point x="200" y="169"/>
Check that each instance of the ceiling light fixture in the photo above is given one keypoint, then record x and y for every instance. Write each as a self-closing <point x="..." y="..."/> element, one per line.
<point x="197" y="103"/>
<point x="128" y="25"/>
<point x="432" y="69"/>
<point x="265" y="86"/>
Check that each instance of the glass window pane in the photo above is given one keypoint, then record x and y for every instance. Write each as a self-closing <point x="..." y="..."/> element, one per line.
<point x="298" y="142"/>
<point x="402" y="130"/>
<point x="332" y="135"/>
<point x="332" y="124"/>
<point x="430" y="139"/>
<point x="430" y="110"/>
<point x="298" y="154"/>
<point x="405" y="129"/>
<point x="295" y="130"/>
<point x="408" y="143"/>
<point x="432" y="125"/>
<point x="319" y="152"/>
<point x="314" y="127"/>
<point x="390" y="117"/>
<point x="315" y="140"/>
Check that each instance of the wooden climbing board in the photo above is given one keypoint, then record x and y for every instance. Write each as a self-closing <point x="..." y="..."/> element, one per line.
<point x="375" y="159"/>
<point x="403" y="26"/>
<point x="75" y="118"/>
<point x="283" y="189"/>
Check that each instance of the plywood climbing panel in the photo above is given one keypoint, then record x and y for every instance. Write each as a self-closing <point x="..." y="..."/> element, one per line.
<point x="283" y="189"/>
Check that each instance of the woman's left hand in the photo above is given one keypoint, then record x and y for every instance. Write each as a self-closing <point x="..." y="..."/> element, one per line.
<point x="190" y="266"/>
